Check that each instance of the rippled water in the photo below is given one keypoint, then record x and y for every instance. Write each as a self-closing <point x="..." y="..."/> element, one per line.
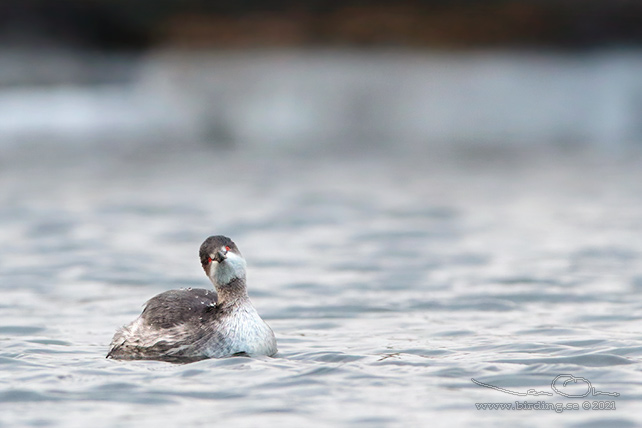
<point x="390" y="282"/>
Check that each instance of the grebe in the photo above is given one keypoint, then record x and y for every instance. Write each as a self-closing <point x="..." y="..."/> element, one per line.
<point x="193" y="324"/>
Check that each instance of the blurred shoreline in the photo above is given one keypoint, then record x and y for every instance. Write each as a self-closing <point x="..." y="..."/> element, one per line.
<point x="442" y="24"/>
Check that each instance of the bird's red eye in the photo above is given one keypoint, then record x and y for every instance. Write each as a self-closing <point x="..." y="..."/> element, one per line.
<point x="227" y="248"/>
<point x="209" y="260"/>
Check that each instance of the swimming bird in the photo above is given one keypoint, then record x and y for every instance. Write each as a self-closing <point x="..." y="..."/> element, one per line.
<point x="193" y="324"/>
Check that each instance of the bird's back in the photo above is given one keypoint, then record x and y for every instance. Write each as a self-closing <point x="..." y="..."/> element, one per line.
<point x="171" y="325"/>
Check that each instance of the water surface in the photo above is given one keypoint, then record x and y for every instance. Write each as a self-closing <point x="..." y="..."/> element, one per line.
<point x="389" y="280"/>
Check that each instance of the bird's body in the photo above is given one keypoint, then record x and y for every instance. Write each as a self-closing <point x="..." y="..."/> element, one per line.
<point x="193" y="324"/>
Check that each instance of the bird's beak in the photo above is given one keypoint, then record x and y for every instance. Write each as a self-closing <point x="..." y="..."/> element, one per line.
<point x="220" y="256"/>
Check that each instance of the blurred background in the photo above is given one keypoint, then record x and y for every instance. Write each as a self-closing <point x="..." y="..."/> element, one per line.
<point x="320" y="74"/>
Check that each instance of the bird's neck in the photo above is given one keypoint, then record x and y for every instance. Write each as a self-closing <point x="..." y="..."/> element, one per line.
<point x="232" y="293"/>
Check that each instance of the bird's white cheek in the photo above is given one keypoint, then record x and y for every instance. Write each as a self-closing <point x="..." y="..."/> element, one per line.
<point x="233" y="267"/>
<point x="211" y="270"/>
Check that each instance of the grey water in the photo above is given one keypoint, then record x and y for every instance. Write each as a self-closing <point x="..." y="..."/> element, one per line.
<point x="390" y="281"/>
<point x="392" y="278"/>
